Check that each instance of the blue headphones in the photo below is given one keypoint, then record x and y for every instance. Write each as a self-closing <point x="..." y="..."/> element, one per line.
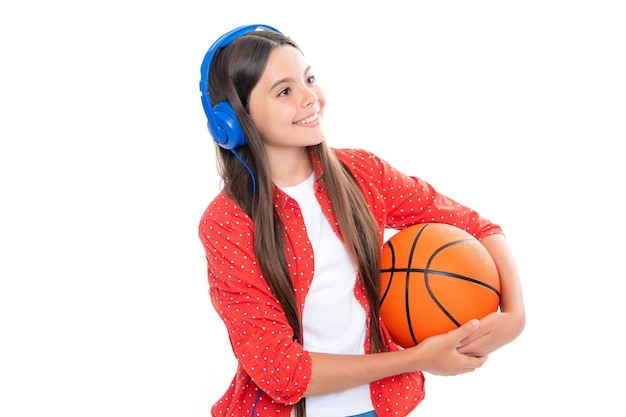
<point x="222" y="121"/>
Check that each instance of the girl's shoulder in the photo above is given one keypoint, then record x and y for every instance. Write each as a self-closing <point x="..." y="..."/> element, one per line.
<point x="223" y="210"/>
<point x="361" y="161"/>
<point x="353" y="154"/>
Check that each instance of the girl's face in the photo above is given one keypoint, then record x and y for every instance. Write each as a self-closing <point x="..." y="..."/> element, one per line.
<point x="286" y="105"/>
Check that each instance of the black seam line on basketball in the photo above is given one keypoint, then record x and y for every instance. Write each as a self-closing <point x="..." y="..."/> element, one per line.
<point x="406" y="285"/>
<point x="446" y="274"/>
<point x="391" y="271"/>
<point x="427" y="284"/>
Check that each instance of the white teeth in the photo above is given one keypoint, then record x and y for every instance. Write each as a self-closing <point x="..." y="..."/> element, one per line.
<point x="308" y="119"/>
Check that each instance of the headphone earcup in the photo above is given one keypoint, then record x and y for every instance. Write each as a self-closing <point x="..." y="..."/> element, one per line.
<point x="226" y="130"/>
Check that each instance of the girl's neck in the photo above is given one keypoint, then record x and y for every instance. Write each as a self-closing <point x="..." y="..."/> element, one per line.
<point x="290" y="168"/>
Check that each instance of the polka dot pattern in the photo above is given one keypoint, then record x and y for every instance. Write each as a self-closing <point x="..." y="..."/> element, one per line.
<point x="274" y="371"/>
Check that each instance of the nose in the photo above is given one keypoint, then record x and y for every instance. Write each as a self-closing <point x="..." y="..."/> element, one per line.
<point x="309" y="96"/>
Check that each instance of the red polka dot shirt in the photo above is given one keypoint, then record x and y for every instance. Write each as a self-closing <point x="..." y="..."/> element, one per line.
<point x="274" y="371"/>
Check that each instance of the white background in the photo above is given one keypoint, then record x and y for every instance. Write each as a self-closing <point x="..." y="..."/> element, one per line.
<point x="517" y="109"/>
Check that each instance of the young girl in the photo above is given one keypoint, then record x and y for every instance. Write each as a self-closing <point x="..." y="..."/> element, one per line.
<point x="293" y="244"/>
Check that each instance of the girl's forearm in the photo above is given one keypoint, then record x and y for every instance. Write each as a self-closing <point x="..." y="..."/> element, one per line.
<point x="334" y="373"/>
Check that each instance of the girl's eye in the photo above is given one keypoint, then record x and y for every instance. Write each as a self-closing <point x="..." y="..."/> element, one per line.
<point x="284" y="92"/>
<point x="311" y="79"/>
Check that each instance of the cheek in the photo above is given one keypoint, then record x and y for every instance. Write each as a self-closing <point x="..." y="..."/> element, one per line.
<point x="257" y="109"/>
<point x="259" y="115"/>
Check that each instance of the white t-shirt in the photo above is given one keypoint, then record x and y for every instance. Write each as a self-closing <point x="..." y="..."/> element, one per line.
<point x="334" y="321"/>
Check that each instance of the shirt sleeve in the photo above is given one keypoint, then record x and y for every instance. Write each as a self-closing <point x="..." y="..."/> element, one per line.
<point x="400" y="200"/>
<point x="260" y="335"/>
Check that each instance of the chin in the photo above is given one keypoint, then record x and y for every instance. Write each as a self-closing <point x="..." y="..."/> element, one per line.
<point x="318" y="139"/>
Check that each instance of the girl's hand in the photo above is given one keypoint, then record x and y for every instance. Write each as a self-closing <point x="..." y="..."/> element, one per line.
<point x="439" y="355"/>
<point x="496" y="330"/>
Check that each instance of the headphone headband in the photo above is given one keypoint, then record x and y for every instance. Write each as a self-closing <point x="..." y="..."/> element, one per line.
<point x="221" y="42"/>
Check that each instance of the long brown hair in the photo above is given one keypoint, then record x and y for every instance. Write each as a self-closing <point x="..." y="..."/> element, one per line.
<point x="234" y="72"/>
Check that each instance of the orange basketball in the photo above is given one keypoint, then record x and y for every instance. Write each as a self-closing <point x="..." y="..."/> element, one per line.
<point x="434" y="278"/>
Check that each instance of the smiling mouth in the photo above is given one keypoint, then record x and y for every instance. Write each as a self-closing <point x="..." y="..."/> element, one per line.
<point x="308" y="119"/>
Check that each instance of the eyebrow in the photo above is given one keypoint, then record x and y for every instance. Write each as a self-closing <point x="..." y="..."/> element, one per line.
<point x="284" y="80"/>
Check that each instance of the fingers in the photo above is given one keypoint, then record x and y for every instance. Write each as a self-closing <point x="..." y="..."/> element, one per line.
<point x="441" y="355"/>
<point x="476" y="362"/>
<point x="466" y="330"/>
<point x="463" y="332"/>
